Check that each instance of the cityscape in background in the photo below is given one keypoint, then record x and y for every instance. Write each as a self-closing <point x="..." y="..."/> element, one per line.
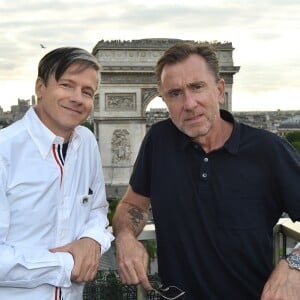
<point x="278" y="122"/>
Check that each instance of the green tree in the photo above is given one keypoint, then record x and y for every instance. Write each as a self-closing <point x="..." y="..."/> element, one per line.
<point x="293" y="137"/>
<point x="89" y="125"/>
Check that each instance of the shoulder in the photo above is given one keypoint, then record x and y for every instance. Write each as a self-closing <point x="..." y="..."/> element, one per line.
<point x="12" y="133"/>
<point x="164" y="136"/>
<point x="12" y="140"/>
<point x="164" y="129"/>
<point x="259" y="133"/>
<point x="263" y="139"/>
<point x="85" y="133"/>
<point x="87" y="139"/>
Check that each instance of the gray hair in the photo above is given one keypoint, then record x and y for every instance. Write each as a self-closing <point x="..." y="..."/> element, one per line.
<point x="57" y="61"/>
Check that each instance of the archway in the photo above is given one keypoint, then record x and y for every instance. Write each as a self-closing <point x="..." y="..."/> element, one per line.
<point x="156" y="102"/>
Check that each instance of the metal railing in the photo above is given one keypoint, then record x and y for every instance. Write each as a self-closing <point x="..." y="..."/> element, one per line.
<point x="107" y="284"/>
<point x="147" y="234"/>
<point x="286" y="235"/>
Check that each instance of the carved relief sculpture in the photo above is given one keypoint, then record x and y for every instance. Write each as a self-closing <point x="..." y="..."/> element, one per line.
<point x="120" y="146"/>
<point x="96" y="103"/>
<point x="124" y="102"/>
<point x="148" y="94"/>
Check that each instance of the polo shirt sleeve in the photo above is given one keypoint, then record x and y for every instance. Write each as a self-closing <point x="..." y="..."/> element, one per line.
<point x="287" y="171"/>
<point x="140" y="179"/>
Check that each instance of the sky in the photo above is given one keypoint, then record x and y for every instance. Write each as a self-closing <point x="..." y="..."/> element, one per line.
<point x="265" y="35"/>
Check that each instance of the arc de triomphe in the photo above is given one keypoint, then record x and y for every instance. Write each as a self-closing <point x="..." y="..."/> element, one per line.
<point x="127" y="87"/>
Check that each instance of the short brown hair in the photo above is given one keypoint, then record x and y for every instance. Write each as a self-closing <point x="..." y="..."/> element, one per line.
<point x="183" y="50"/>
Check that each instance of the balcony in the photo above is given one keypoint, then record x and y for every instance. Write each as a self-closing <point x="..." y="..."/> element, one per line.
<point x="286" y="236"/>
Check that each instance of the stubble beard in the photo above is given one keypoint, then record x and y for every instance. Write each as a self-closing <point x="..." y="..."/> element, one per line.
<point x="199" y="130"/>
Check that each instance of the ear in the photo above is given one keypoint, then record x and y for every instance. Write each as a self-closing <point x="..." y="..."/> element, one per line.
<point x="39" y="86"/>
<point x="221" y="90"/>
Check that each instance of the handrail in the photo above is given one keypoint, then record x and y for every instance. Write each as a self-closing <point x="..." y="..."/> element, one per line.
<point x="148" y="233"/>
<point x="291" y="229"/>
<point x="283" y="229"/>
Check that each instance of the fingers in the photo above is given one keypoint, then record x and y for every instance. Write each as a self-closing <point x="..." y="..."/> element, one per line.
<point x="128" y="273"/>
<point x="134" y="274"/>
<point x="86" y="254"/>
<point x="60" y="249"/>
<point x="133" y="264"/>
<point x="85" y="271"/>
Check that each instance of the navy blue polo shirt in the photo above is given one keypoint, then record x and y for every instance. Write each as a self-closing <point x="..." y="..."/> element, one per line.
<point x="215" y="212"/>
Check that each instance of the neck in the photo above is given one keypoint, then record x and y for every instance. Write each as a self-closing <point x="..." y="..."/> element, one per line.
<point x="54" y="128"/>
<point x="217" y="136"/>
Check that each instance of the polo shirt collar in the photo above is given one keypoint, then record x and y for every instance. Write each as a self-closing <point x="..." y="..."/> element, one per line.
<point x="43" y="137"/>
<point x="232" y="144"/>
<point x="183" y="139"/>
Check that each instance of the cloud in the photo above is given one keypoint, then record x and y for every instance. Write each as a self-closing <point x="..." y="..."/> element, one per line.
<point x="264" y="33"/>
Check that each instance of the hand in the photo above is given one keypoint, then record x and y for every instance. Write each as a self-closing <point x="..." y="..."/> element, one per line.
<point x="86" y="255"/>
<point x="283" y="284"/>
<point x="132" y="259"/>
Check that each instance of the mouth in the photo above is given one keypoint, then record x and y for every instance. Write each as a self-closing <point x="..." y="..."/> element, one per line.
<point x="73" y="110"/>
<point x="193" y="118"/>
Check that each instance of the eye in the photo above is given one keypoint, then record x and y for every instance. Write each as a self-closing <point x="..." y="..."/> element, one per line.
<point x="88" y="93"/>
<point x="196" y="87"/>
<point x="65" y="85"/>
<point x="175" y="93"/>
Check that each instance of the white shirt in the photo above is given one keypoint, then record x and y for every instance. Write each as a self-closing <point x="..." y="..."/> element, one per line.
<point x="46" y="202"/>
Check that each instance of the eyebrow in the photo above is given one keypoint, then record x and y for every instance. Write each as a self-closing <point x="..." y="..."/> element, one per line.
<point x="192" y="84"/>
<point x="200" y="82"/>
<point x="73" y="81"/>
<point x="174" y="89"/>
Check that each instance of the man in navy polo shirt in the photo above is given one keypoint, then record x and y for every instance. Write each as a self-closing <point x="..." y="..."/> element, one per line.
<point x="216" y="188"/>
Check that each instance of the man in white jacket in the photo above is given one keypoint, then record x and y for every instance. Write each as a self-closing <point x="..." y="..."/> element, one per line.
<point x="53" y="208"/>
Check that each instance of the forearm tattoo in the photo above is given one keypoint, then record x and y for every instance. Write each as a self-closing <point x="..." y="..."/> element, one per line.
<point x="136" y="217"/>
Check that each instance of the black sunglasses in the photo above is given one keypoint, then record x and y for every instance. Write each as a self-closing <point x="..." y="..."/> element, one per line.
<point x="171" y="292"/>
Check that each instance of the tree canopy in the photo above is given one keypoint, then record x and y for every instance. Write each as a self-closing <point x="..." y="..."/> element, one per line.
<point x="294" y="138"/>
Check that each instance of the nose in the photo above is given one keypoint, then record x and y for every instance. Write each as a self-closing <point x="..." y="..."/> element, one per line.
<point x="189" y="102"/>
<point x="77" y="95"/>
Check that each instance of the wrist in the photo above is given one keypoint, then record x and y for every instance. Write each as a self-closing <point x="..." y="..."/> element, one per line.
<point x="293" y="260"/>
<point x="124" y="236"/>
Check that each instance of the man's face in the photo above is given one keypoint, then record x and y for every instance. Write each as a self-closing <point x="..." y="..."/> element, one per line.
<point x="66" y="103"/>
<point x="192" y="95"/>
